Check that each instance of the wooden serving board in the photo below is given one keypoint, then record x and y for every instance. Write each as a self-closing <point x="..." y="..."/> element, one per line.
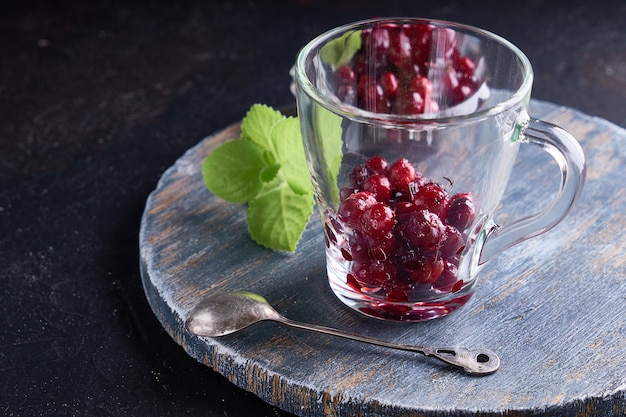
<point x="553" y="308"/>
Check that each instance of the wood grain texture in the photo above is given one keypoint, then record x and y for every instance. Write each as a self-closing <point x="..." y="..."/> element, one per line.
<point x="553" y="308"/>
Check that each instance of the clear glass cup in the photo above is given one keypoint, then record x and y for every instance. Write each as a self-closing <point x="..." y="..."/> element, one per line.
<point x="409" y="168"/>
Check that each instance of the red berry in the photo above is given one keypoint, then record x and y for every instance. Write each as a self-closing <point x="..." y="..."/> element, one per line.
<point x="404" y="207"/>
<point x="461" y="212"/>
<point x="448" y="278"/>
<point x="420" y="268"/>
<point x="433" y="198"/>
<point x="375" y="41"/>
<point x="346" y="75"/>
<point x="359" y="174"/>
<point x="398" y="290"/>
<point x="370" y="95"/>
<point x="422" y="230"/>
<point x="389" y="83"/>
<point x="423" y="87"/>
<point x="401" y="173"/>
<point x="377" y="165"/>
<point x="453" y="243"/>
<point x="378" y="185"/>
<point x="373" y="275"/>
<point x="351" y="210"/>
<point x="383" y="247"/>
<point x="399" y="51"/>
<point x="421" y="36"/>
<point x="377" y="220"/>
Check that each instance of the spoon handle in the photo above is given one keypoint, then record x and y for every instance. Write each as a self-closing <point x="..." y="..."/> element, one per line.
<point x="473" y="361"/>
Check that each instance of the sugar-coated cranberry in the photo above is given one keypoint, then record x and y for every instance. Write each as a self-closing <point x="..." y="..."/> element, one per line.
<point x="428" y="271"/>
<point x="432" y="197"/>
<point x="374" y="274"/>
<point x="383" y="247"/>
<point x="399" y="51"/>
<point x="422" y="229"/>
<point x="376" y="40"/>
<point x="421" y="36"/>
<point x="370" y="95"/>
<point x="453" y="242"/>
<point x="382" y="75"/>
<point x="378" y="185"/>
<point x="461" y="211"/>
<point x="377" y="165"/>
<point x="351" y="210"/>
<point x="346" y="75"/>
<point x="358" y="175"/>
<point x="398" y="290"/>
<point x="404" y="207"/>
<point x="423" y="86"/>
<point x="401" y="173"/>
<point x="377" y="220"/>
<point x="389" y="83"/>
<point x="448" y="278"/>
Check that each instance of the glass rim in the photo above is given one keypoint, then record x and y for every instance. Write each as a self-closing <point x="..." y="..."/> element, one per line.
<point x="424" y="119"/>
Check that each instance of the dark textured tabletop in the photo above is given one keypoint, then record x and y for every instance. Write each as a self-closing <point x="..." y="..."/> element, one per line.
<point x="98" y="100"/>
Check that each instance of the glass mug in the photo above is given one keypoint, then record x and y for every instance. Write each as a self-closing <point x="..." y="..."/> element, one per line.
<point x="411" y="128"/>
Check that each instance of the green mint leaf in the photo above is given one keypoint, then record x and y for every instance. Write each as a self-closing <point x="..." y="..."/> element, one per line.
<point x="258" y="123"/>
<point x="268" y="173"/>
<point x="267" y="169"/>
<point x="287" y="140"/>
<point x="329" y="131"/>
<point x="277" y="217"/>
<point x="340" y="51"/>
<point x="231" y="171"/>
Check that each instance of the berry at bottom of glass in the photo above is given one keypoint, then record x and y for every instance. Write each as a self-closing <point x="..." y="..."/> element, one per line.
<point x="396" y="241"/>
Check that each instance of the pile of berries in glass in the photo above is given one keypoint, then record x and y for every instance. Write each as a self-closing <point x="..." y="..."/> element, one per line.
<point x="394" y="69"/>
<point x="403" y="234"/>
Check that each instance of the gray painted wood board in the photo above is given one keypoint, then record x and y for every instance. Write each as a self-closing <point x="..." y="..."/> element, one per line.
<point x="553" y="308"/>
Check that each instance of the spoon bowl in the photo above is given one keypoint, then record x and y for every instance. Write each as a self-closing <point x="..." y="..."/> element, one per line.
<point x="226" y="313"/>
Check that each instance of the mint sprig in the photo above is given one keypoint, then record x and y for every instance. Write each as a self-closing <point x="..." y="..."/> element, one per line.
<point x="266" y="169"/>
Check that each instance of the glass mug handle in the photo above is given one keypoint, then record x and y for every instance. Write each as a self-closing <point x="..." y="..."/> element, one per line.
<point x="570" y="158"/>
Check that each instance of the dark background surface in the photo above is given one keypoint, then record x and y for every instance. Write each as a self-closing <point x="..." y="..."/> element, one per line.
<point x="97" y="100"/>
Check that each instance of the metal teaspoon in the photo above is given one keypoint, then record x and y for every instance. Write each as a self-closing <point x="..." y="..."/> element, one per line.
<point x="226" y="313"/>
